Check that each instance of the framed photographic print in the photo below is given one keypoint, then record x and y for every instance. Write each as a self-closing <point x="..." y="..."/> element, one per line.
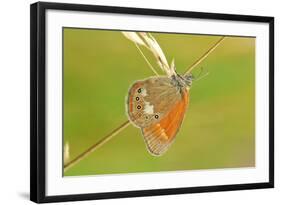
<point x="129" y="102"/>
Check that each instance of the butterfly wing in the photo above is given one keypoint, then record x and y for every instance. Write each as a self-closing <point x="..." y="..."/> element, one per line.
<point x="157" y="106"/>
<point x="159" y="136"/>
<point x="149" y="100"/>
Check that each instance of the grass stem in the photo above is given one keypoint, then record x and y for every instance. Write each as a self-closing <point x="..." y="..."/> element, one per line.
<point x="204" y="56"/>
<point x="96" y="145"/>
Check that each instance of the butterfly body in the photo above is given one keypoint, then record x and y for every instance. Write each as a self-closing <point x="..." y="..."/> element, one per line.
<point x="157" y="106"/>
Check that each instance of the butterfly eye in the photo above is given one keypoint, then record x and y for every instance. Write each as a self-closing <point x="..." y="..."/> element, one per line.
<point x="137" y="98"/>
<point x="139" y="107"/>
<point x="139" y="90"/>
<point x="156" y="116"/>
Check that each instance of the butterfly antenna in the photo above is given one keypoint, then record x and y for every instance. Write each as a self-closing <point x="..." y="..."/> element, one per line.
<point x="200" y="76"/>
<point x="146" y="60"/>
<point x="201" y="71"/>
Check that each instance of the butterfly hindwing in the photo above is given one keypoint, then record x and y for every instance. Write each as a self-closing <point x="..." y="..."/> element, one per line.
<point x="159" y="136"/>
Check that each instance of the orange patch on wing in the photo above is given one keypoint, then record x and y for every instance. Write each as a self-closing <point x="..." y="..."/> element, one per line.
<point x="130" y="102"/>
<point x="131" y="94"/>
<point x="160" y="135"/>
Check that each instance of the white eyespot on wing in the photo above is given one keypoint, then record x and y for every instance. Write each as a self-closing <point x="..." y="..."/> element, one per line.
<point x="144" y="92"/>
<point x="148" y="109"/>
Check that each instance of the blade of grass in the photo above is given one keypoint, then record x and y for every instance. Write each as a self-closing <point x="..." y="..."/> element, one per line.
<point x="204" y="56"/>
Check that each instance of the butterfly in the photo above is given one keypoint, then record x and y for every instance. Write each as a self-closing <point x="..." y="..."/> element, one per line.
<point x="157" y="105"/>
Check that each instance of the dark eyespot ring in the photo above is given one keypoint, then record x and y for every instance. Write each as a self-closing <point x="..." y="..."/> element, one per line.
<point x="139" y="107"/>
<point x="139" y="90"/>
<point x="137" y="98"/>
<point x="156" y="116"/>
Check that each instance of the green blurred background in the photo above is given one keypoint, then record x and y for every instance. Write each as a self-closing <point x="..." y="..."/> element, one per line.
<point x="219" y="127"/>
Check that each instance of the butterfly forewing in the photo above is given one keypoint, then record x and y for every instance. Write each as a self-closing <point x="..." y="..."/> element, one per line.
<point x="150" y="100"/>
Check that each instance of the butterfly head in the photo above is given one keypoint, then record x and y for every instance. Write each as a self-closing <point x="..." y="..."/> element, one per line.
<point x="183" y="81"/>
<point x="188" y="79"/>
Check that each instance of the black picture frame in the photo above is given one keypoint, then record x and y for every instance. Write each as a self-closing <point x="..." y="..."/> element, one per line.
<point x="38" y="101"/>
